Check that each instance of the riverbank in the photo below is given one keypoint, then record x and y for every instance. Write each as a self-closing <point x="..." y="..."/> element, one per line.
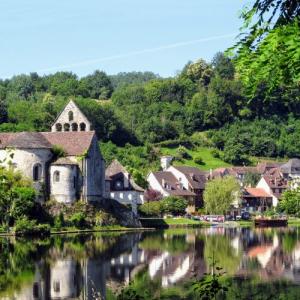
<point x="162" y="223"/>
<point x="74" y="230"/>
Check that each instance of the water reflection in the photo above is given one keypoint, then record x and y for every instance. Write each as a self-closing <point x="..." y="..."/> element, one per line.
<point x="85" y="267"/>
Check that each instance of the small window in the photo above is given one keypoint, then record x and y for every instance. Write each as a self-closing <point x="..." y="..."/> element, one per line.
<point x="66" y="127"/>
<point x="74" y="127"/>
<point x="82" y="126"/>
<point x="35" y="290"/>
<point x="37" y="172"/>
<point x="56" y="176"/>
<point x="56" y="286"/>
<point x="71" y="116"/>
<point x="58" y="127"/>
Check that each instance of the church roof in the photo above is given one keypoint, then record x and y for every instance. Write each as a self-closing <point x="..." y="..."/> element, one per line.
<point x="63" y="161"/>
<point x="24" y="140"/>
<point x="73" y="142"/>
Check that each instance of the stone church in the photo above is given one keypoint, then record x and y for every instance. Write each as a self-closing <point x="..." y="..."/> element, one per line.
<point x="77" y="174"/>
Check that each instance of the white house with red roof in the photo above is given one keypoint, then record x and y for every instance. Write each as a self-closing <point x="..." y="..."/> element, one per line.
<point x="77" y="174"/>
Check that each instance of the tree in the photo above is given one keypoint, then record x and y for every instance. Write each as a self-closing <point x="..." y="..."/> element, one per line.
<point x="268" y="50"/>
<point x="98" y="85"/>
<point x="199" y="72"/>
<point x="251" y="179"/>
<point x="234" y="153"/>
<point x="220" y="193"/>
<point x="223" y="66"/>
<point x="22" y="85"/>
<point x="290" y="202"/>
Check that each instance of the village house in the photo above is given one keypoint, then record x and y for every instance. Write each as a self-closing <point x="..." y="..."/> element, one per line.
<point x="121" y="186"/>
<point x="255" y="200"/>
<point x="182" y="181"/>
<point x="274" y="184"/>
<point x="77" y="173"/>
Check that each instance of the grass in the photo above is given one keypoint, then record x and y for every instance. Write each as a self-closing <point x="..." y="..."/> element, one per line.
<point x="294" y="221"/>
<point x="181" y="221"/>
<point x="210" y="162"/>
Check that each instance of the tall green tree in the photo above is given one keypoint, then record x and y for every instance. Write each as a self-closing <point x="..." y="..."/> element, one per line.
<point x="268" y="50"/>
<point x="220" y="193"/>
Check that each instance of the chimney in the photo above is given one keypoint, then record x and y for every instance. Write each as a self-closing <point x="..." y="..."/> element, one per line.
<point x="165" y="162"/>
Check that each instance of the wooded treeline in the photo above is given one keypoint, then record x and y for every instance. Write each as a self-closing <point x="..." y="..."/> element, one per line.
<point x="247" y="102"/>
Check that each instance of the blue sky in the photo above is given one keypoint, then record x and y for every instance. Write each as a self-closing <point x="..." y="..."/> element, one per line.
<point x="46" y="36"/>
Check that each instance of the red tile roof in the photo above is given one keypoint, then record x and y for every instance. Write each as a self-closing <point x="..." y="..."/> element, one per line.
<point x="257" y="192"/>
<point x="73" y="142"/>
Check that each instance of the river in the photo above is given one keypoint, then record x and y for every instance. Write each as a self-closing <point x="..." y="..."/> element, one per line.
<point x="256" y="264"/>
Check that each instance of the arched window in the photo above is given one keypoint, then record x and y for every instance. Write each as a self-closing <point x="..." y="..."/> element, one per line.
<point x="56" y="176"/>
<point x="82" y="126"/>
<point x="66" y="127"/>
<point x="37" y="172"/>
<point x="71" y="116"/>
<point x="74" y="127"/>
<point x="58" y="127"/>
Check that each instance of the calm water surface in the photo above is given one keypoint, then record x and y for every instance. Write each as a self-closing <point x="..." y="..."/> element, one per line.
<point x="259" y="264"/>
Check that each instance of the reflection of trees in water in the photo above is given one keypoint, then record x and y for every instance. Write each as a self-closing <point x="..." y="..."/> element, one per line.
<point x="254" y="289"/>
<point x="225" y="255"/>
<point x="17" y="262"/>
<point x="172" y="243"/>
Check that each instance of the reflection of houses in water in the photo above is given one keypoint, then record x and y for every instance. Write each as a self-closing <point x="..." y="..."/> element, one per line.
<point x="264" y="253"/>
<point x="37" y="290"/>
<point x="169" y="268"/>
<point x="64" y="279"/>
<point x="124" y="267"/>
<point x="59" y="281"/>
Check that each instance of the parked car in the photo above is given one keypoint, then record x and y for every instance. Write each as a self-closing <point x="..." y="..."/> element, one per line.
<point x="214" y="218"/>
<point x="245" y="215"/>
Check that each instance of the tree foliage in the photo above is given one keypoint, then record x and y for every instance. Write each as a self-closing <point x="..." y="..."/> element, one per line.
<point x="220" y="193"/>
<point x="290" y="202"/>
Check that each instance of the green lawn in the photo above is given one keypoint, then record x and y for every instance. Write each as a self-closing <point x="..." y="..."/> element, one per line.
<point x="210" y="162"/>
<point x="181" y="221"/>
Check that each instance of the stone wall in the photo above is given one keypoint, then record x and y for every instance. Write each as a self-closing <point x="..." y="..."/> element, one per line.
<point x="65" y="190"/>
<point x="94" y="174"/>
<point x="25" y="160"/>
<point x="72" y="118"/>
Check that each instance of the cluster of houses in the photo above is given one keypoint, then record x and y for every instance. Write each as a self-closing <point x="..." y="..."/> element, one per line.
<point x="80" y="172"/>
<point x="189" y="183"/>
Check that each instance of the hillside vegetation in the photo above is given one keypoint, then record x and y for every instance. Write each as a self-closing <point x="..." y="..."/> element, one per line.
<point x="240" y="105"/>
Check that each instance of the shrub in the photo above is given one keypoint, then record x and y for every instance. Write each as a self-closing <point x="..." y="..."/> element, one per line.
<point x="104" y="219"/>
<point x="215" y="153"/>
<point x="59" y="221"/>
<point x="78" y="220"/>
<point x="174" y="205"/>
<point x="24" y="200"/>
<point x="58" y="151"/>
<point x="151" y="209"/>
<point x="183" y="153"/>
<point x="24" y="226"/>
<point x="198" y="160"/>
<point x="152" y="195"/>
